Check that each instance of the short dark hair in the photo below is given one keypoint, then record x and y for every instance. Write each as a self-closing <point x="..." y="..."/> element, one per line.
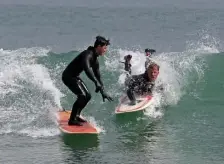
<point x="127" y="57"/>
<point x="101" y="41"/>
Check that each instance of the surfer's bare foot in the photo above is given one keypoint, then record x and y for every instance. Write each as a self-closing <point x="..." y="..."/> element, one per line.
<point x="74" y="122"/>
<point x="80" y="119"/>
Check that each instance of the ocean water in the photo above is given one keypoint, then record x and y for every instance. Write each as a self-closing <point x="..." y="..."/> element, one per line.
<point x="184" y="124"/>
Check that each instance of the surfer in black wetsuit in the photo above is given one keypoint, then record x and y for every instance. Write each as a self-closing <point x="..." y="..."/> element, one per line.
<point x="127" y="63"/>
<point x="86" y="61"/>
<point x="143" y="83"/>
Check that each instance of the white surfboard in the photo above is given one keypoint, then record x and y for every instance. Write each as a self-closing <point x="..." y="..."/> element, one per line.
<point x="124" y="104"/>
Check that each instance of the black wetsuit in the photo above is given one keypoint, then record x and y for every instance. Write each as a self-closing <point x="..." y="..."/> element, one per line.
<point x="127" y="67"/>
<point x="139" y="84"/>
<point x="86" y="61"/>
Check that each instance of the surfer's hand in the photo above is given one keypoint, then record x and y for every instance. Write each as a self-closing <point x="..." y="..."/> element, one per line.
<point x="98" y="88"/>
<point x="105" y="96"/>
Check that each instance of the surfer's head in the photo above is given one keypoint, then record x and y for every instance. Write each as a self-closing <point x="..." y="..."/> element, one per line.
<point x="153" y="71"/>
<point x="128" y="58"/>
<point x="148" y="52"/>
<point x="101" y="45"/>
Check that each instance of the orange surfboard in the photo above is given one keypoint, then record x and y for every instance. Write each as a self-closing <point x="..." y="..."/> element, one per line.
<point x="86" y="128"/>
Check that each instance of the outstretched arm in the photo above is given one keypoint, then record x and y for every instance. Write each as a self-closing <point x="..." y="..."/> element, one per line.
<point x="96" y="72"/>
<point x="87" y="68"/>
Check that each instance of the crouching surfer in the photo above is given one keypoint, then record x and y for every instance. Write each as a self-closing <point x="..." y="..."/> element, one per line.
<point x="86" y="61"/>
<point x="143" y="83"/>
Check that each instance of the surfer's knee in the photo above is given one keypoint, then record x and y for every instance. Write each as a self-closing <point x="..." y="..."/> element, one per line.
<point x="84" y="98"/>
<point x="130" y="94"/>
<point x="129" y="91"/>
<point x="81" y="98"/>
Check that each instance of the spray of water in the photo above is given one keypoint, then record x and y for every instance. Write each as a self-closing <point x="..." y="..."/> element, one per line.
<point x="28" y="94"/>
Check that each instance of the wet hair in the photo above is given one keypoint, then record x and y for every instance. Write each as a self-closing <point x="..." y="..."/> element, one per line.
<point x="152" y="65"/>
<point x="101" y="41"/>
<point x="150" y="50"/>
